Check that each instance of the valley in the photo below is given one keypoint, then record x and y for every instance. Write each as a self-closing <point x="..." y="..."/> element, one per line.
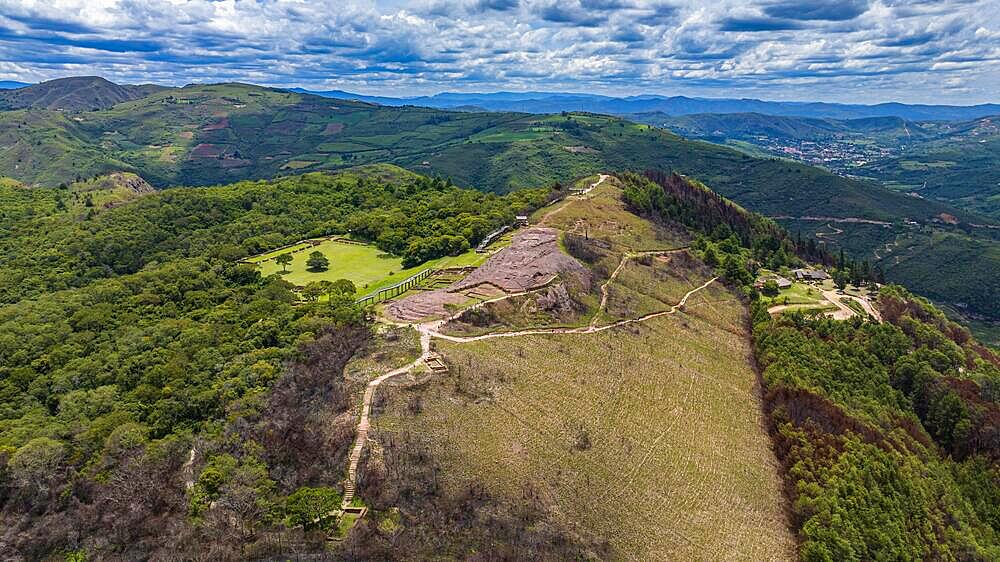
<point x="210" y="134"/>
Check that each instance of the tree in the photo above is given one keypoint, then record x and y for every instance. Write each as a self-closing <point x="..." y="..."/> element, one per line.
<point x="734" y="269"/>
<point x="711" y="258"/>
<point x="344" y="287"/>
<point x="313" y="291"/>
<point x="309" y="506"/>
<point x="840" y="279"/>
<point x="35" y="464"/>
<point x="283" y="260"/>
<point x="770" y="288"/>
<point x="317" y="262"/>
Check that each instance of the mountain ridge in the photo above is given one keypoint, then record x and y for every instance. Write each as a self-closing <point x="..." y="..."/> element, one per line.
<point x="544" y="102"/>
<point x="77" y="93"/>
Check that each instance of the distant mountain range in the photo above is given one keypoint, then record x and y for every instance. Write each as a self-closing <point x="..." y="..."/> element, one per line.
<point x="91" y="92"/>
<point x="541" y="102"/>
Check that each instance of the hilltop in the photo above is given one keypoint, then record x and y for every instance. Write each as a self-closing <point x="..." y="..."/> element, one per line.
<point x="78" y="93"/>
<point x="589" y="391"/>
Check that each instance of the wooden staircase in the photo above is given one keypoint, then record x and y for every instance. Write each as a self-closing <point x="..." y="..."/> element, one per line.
<point x="350" y="487"/>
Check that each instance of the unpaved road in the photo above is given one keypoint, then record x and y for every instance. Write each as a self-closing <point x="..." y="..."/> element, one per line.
<point x="843" y="311"/>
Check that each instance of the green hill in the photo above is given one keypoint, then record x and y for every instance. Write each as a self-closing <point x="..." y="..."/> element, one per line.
<point x="211" y="134"/>
<point x="201" y="135"/>
<point x="79" y="93"/>
<point x="162" y="400"/>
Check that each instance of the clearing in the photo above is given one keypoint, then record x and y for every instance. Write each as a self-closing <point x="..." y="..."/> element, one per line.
<point x="368" y="267"/>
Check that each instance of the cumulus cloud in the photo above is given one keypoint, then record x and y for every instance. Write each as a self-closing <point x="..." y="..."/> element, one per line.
<point x="851" y="50"/>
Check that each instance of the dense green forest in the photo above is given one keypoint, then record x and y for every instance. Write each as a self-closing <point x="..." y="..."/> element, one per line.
<point x="131" y="340"/>
<point x="886" y="432"/>
<point x="45" y="249"/>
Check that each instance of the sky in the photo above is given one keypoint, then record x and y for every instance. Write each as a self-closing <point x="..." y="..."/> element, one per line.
<point x="868" y="51"/>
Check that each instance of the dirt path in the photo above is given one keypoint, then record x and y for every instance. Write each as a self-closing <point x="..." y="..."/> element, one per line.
<point x="429" y="330"/>
<point x="850" y="220"/>
<point x="601" y="179"/>
<point x="628" y="256"/>
<point x="361" y="437"/>
<point x="835" y="232"/>
<point x="865" y="304"/>
<point x="844" y="311"/>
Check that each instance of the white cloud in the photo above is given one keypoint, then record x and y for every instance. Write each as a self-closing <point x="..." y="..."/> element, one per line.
<point x="815" y="49"/>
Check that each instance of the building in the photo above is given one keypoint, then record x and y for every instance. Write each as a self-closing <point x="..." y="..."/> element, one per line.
<point x="811" y="274"/>
<point x="779" y="280"/>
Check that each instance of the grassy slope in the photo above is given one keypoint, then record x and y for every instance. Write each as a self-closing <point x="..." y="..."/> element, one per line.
<point x="678" y="465"/>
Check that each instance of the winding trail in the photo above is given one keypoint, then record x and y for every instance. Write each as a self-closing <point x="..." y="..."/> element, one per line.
<point x="628" y="256"/>
<point x="429" y="330"/>
<point x="835" y="232"/>
<point x="601" y="179"/>
<point x="361" y="436"/>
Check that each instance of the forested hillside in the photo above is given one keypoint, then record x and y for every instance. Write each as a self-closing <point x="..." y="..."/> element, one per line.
<point x="131" y="338"/>
<point x="887" y="432"/>
<point x="49" y="245"/>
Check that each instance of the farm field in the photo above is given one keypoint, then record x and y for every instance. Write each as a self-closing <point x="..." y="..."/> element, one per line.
<point x="364" y="265"/>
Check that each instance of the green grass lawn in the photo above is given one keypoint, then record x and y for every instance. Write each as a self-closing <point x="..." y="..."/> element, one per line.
<point x="798" y="293"/>
<point x="268" y="255"/>
<point x="369" y="268"/>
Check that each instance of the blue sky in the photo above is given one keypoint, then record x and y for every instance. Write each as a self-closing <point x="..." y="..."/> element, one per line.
<point x="841" y="50"/>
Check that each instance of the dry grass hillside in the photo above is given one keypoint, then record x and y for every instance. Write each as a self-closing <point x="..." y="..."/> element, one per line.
<point x="647" y="438"/>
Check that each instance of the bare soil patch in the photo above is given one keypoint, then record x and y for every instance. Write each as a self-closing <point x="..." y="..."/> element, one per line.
<point x="205" y="150"/>
<point x="532" y="260"/>
<point x="218" y="125"/>
<point x="333" y="128"/>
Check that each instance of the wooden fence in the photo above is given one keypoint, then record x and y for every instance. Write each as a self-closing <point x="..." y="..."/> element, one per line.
<point x="395" y="290"/>
<point x="491" y="237"/>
